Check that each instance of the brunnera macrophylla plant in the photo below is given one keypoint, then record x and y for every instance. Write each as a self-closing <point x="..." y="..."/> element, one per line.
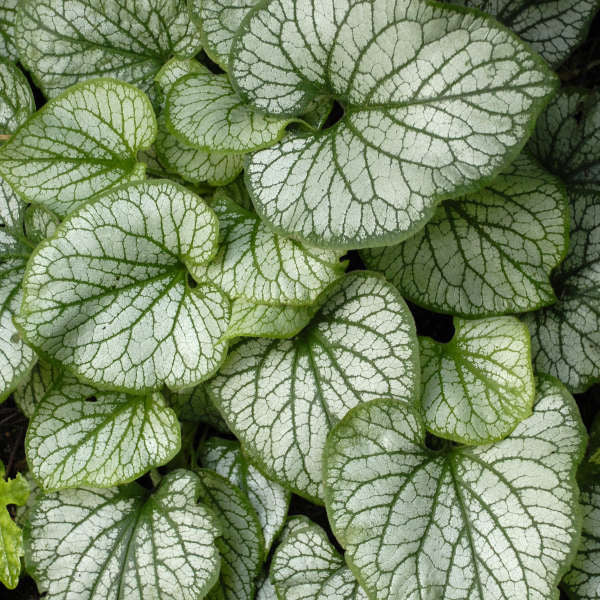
<point x="212" y="216"/>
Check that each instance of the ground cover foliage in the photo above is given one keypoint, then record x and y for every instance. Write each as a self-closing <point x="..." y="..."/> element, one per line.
<point x="299" y="299"/>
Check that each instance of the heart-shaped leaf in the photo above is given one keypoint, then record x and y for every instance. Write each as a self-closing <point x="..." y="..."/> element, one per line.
<point x="479" y="386"/>
<point x="8" y="16"/>
<point x="282" y="397"/>
<point x="109" y="295"/>
<point x="306" y="566"/>
<point x="124" y="543"/>
<point x="490" y="253"/>
<point x="552" y="27"/>
<point x="406" y="74"/>
<point x="82" y="436"/>
<point x="263" y="267"/>
<point x="241" y="546"/>
<point x="16" y="97"/>
<point x="125" y="39"/>
<point x="493" y="521"/>
<point x="268" y="498"/>
<point x="80" y="144"/>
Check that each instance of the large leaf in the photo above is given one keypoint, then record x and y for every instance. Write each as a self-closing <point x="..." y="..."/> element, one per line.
<point x="487" y="254"/>
<point x="583" y="580"/>
<point x="16" y="97"/>
<point x="80" y="144"/>
<point x="13" y="491"/>
<point x="495" y="521"/>
<point x="204" y="111"/>
<point x="261" y="266"/>
<point x="268" y="498"/>
<point x="282" y="397"/>
<point x="109" y="295"/>
<point x="436" y="100"/>
<point x="306" y="566"/>
<point x="552" y="27"/>
<point x="124" y="543"/>
<point x="66" y="41"/>
<point x="8" y="16"/>
<point x="479" y="386"/>
<point x="82" y="436"/>
<point x="241" y="546"/>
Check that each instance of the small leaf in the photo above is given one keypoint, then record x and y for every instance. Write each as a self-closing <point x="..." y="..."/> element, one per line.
<point x="82" y="436"/>
<point x="8" y="16"/>
<point x="241" y="546"/>
<point x="16" y="97"/>
<point x="125" y="39"/>
<point x="33" y="388"/>
<point x="282" y="397"/>
<point x="436" y="100"/>
<point x="268" y="498"/>
<point x="493" y="521"/>
<point x="490" y="253"/>
<point x="124" y="543"/>
<point x="193" y="405"/>
<point x="11" y="224"/>
<point x="108" y="295"/>
<point x="306" y="566"/>
<point x="479" y="386"/>
<point x="205" y="112"/>
<point x="40" y="223"/>
<point x="583" y="580"/>
<point x="264" y="588"/>
<point x="80" y="144"/>
<point x="12" y="491"/>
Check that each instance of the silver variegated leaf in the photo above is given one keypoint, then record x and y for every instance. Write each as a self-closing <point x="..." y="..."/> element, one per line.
<point x="435" y="98"/>
<point x="8" y="16"/>
<point x="282" y="397"/>
<point x="40" y="223"/>
<point x="82" y="436"/>
<point x="264" y="588"/>
<point x="80" y="144"/>
<point x="109" y="296"/>
<point x="124" y="543"/>
<point x="269" y="499"/>
<point x="491" y="522"/>
<point x="490" y="253"/>
<point x="193" y="405"/>
<point x="33" y="388"/>
<point x="16" y="97"/>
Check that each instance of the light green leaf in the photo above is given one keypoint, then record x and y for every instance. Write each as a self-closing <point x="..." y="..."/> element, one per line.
<point x="125" y="39"/>
<point x="495" y="521"/>
<point x="263" y="267"/>
<point x="204" y="111"/>
<point x="12" y="491"/>
<point x="194" y="406"/>
<point x="82" y="436"/>
<point x="33" y="388"/>
<point x="40" y="223"/>
<point x="306" y="566"/>
<point x="267" y="321"/>
<point x="16" y="97"/>
<point x="80" y="144"/>
<point x="218" y="21"/>
<point x="490" y="253"/>
<point x="552" y="27"/>
<point x="109" y="295"/>
<point x="8" y="16"/>
<point x="436" y="100"/>
<point x="268" y="498"/>
<point x="241" y="546"/>
<point x="479" y="386"/>
<point x="582" y="582"/>
<point x="124" y="543"/>
<point x="282" y="397"/>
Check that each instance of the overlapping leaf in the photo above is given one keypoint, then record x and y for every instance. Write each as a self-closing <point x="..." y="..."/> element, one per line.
<point x="109" y="297"/>
<point x="82" y="436"/>
<point x="261" y="266"/>
<point x="8" y="16"/>
<point x="552" y="27"/>
<point x="193" y="405"/>
<point x="306" y="566"/>
<point x="494" y="521"/>
<point x="125" y="39"/>
<point x="16" y="97"/>
<point x="487" y="254"/>
<point x="282" y="397"/>
<point x="241" y="546"/>
<point x="268" y="498"/>
<point x="34" y="387"/>
<point x="124" y="544"/>
<point x="479" y="386"/>
<point x="80" y="144"/>
<point x="436" y="100"/>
